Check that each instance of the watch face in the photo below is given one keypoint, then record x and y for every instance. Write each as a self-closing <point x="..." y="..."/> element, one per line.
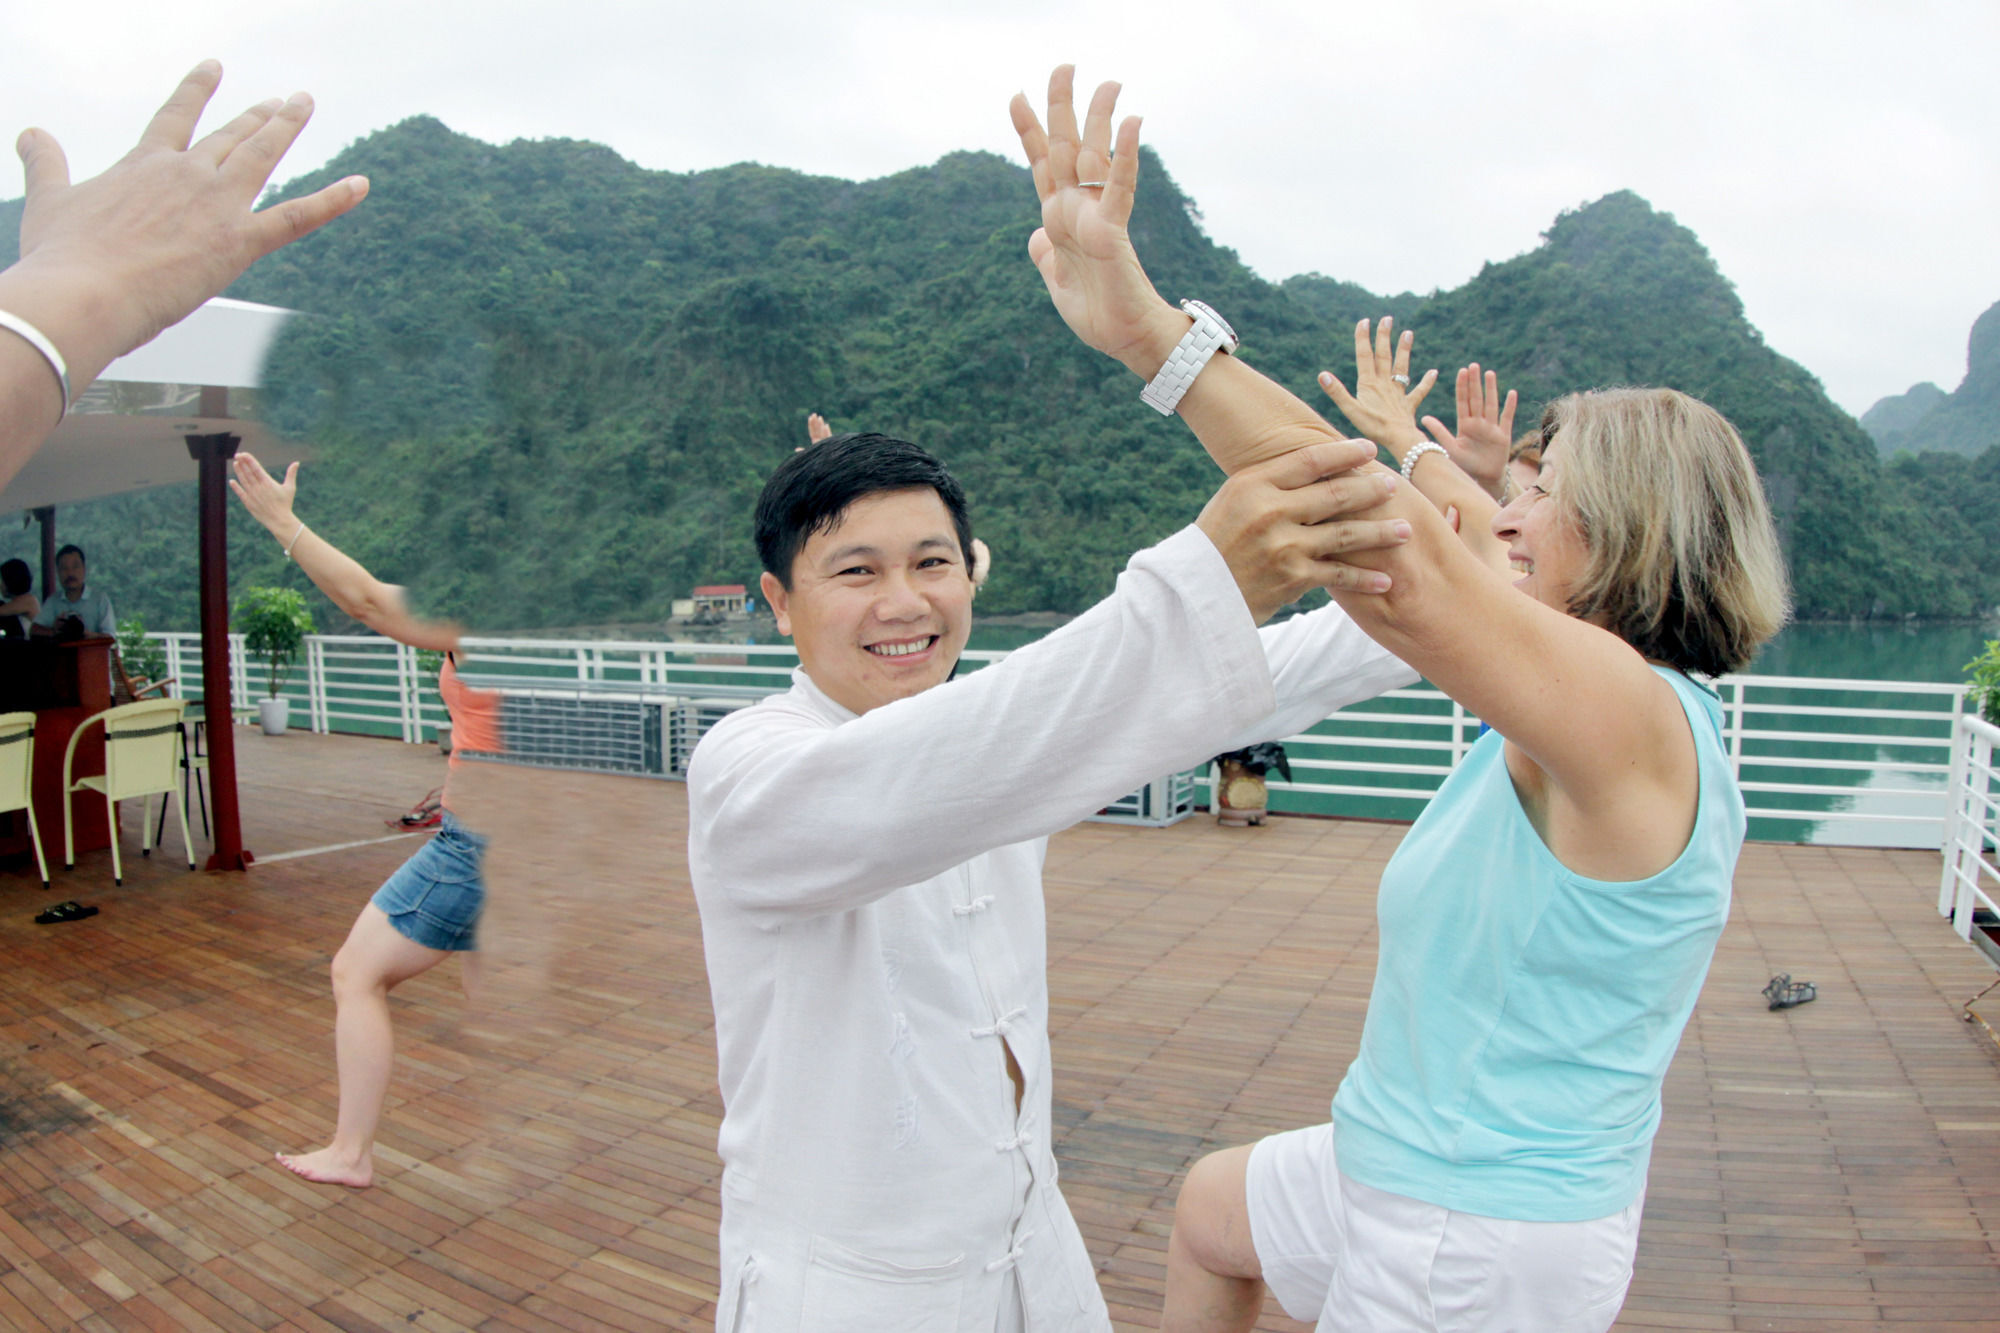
<point x="1201" y="309"/>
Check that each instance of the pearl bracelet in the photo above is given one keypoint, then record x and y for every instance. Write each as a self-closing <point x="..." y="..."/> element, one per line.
<point x="1410" y="459"/>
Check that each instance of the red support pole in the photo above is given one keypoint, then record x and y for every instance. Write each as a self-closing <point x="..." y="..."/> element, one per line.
<point x="46" y="516"/>
<point x="212" y="453"/>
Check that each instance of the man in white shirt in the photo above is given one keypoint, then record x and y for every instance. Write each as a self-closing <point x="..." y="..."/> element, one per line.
<point x="866" y="851"/>
<point x="89" y="607"/>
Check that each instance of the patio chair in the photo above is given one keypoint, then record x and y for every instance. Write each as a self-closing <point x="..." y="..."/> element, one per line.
<point x="140" y="759"/>
<point x="194" y="773"/>
<point x="17" y="777"/>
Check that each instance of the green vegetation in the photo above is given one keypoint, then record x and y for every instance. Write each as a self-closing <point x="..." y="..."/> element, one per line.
<point x="145" y="659"/>
<point x="542" y="385"/>
<point x="274" y="623"/>
<point x="1983" y="691"/>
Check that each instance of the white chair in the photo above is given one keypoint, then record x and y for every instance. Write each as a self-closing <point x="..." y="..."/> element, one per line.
<point x="141" y="758"/>
<point x="17" y="776"/>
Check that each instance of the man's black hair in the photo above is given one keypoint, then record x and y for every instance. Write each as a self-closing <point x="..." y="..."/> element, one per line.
<point x="16" y="578"/>
<point x="72" y="549"/>
<point x="812" y="490"/>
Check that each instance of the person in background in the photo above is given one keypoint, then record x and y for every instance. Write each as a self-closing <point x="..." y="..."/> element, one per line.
<point x="108" y="262"/>
<point x="86" y="610"/>
<point x="17" y="612"/>
<point x="429" y="909"/>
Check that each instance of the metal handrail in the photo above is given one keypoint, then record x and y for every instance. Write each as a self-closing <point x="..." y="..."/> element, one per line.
<point x="1408" y="738"/>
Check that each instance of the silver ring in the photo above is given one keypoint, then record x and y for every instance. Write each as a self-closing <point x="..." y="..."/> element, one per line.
<point x="1403" y="380"/>
<point x="1091" y="185"/>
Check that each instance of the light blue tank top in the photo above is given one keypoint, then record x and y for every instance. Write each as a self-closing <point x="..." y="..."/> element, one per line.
<point x="1523" y="1016"/>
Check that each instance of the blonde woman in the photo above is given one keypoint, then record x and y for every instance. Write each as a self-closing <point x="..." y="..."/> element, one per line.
<point x="1546" y="925"/>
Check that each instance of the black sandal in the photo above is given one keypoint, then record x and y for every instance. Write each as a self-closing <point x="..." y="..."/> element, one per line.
<point x="64" y="911"/>
<point x="1784" y="993"/>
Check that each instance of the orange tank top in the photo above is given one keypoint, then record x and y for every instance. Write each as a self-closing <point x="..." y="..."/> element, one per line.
<point x="475" y="718"/>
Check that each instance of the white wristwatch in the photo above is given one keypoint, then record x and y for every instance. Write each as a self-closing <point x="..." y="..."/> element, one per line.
<point x="1211" y="334"/>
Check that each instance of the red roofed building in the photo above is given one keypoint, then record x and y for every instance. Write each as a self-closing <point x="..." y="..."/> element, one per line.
<point x="728" y="598"/>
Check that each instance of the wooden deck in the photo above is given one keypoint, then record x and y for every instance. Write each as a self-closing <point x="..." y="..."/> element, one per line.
<point x="547" y="1159"/>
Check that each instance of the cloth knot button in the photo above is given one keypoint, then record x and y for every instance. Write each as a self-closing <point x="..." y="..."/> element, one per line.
<point x="979" y="904"/>
<point x="1003" y="1026"/>
<point x="1013" y="1256"/>
<point x="1022" y="1140"/>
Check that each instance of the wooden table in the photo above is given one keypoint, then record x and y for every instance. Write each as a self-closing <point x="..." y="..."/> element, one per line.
<point x="61" y="683"/>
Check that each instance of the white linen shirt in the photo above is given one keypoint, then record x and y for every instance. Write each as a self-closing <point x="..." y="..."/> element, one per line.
<point x="871" y="909"/>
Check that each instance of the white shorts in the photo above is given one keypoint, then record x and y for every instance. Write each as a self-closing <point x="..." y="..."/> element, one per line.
<point x="1357" y="1258"/>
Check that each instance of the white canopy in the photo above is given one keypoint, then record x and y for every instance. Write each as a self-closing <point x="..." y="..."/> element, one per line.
<point x="128" y="432"/>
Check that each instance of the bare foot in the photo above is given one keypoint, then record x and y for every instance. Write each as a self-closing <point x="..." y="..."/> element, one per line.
<point x="327" y="1167"/>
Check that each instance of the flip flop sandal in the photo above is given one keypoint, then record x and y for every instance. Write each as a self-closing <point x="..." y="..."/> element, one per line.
<point x="427" y="813"/>
<point x="1784" y="993"/>
<point x="66" y="911"/>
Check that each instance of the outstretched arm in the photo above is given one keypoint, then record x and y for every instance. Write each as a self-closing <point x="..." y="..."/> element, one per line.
<point x="109" y="262"/>
<point x="378" y="605"/>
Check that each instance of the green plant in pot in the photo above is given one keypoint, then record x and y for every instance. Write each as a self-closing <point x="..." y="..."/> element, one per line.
<point x="145" y="659"/>
<point x="275" y="622"/>
<point x="1983" y="687"/>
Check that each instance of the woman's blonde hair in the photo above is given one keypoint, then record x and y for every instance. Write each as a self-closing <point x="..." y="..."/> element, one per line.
<point x="1682" y="557"/>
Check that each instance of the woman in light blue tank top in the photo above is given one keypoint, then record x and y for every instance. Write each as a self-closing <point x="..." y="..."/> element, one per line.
<point x="1546" y="925"/>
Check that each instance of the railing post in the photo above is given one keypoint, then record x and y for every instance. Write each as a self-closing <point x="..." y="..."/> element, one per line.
<point x="316" y="683"/>
<point x="1734" y="727"/>
<point x="1958" y="804"/>
<point x="1458" y="746"/>
<point x="239" y="675"/>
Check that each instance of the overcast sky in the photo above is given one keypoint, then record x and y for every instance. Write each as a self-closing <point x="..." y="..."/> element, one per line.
<point x="1837" y="158"/>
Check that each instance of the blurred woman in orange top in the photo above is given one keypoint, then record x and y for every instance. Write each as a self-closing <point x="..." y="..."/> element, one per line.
<point x="426" y="911"/>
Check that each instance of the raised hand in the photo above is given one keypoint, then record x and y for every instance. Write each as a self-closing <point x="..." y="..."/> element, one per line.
<point x="169" y="224"/>
<point x="1082" y="249"/>
<point x="268" y="499"/>
<point x="1383" y="406"/>
<point x="817" y="429"/>
<point x="1485" y="432"/>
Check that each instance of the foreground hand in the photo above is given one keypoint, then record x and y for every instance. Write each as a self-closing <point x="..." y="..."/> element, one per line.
<point x="168" y="225"/>
<point x="1485" y="432"/>
<point x="1281" y="524"/>
<point x="1082" y="249"/>
<point x="1381" y="407"/>
<point x="268" y="500"/>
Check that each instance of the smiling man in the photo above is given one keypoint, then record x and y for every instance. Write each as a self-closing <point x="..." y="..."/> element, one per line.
<point x="866" y="850"/>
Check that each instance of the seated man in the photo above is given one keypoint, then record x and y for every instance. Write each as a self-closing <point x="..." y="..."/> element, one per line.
<point x="866" y="852"/>
<point x="89" y="608"/>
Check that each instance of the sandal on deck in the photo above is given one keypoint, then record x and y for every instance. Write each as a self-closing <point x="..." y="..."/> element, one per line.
<point x="1784" y="993"/>
<point x="66" y="911"/>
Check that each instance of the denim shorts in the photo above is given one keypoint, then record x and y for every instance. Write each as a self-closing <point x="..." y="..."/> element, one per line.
<point x="435" y="897"/>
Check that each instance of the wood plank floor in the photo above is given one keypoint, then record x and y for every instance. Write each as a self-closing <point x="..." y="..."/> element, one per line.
<point x="547" y="1157"/>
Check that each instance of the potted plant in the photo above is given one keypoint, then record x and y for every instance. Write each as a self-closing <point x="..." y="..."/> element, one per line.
<point x="144" y="658"/>
<point x="275" y="623"/>
<point x="1983" y="688"/>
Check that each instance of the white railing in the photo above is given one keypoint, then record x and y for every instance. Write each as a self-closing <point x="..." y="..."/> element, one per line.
<point x="1871" y="758"/>
<point x="1970" y="889"/>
